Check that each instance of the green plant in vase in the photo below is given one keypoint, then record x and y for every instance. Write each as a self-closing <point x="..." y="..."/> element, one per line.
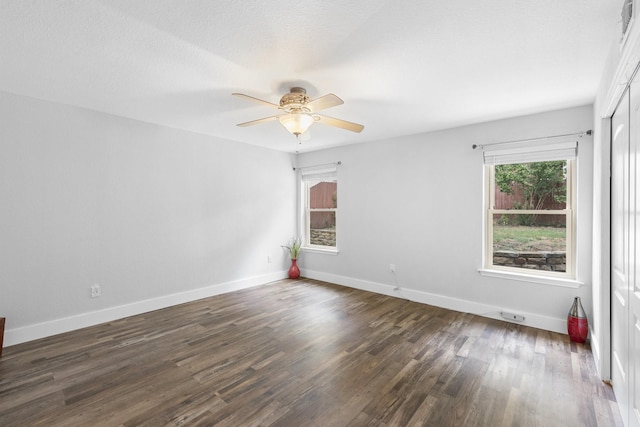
<point x="294" y="246"/>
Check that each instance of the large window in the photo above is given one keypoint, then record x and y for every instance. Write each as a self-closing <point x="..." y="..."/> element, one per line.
<point x="530" y="214"/>
<point x="320" y="207"/>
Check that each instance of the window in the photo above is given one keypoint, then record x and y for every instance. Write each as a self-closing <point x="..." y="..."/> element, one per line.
<point x="530" y="214"/>
<point x="320" y="207"/>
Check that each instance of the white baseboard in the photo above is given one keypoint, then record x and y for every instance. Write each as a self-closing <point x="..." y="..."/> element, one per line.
<point x="601" y="357"/>
<point x="66" y="324"/>
<point x="531" y="319"/>
<point x="595" y="350"/>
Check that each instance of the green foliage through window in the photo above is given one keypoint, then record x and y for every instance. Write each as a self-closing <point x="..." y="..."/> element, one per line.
<point x="538" y="181"/>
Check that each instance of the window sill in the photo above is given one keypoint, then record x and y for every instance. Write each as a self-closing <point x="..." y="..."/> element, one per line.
<point x="320" y="250"/>
<point x="541" y="280"/>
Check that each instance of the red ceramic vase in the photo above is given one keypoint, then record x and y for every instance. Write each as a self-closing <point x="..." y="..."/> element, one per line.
<point x="577" y="324"/>
<point x="294" y="271"/>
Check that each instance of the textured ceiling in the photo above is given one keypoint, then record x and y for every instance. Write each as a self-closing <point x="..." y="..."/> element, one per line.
<point x="402" y="67"/>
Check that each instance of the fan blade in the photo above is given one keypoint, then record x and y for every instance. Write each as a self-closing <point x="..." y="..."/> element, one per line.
<point x="323" y="102"/>
<point x="259" y="101"/>
<point x="343" y="124"/>
<point x="257" y="122"/>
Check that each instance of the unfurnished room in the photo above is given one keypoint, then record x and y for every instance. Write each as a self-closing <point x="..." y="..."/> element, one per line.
<point x="319" y="213"/>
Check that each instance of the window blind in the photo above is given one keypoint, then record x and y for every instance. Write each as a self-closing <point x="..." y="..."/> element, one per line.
<point x="327" y="172"/>
<point x="530" y="151"/>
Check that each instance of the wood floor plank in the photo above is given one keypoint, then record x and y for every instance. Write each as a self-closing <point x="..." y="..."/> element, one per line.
<point x="303" y="353"/>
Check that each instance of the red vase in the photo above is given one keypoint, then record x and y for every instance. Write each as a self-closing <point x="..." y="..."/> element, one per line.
<point x="294" y="271"/>
<point x="577" y="325"/>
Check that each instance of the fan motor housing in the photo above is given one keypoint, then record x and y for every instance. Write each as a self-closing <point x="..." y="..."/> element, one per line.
<point x="296" y="99"/>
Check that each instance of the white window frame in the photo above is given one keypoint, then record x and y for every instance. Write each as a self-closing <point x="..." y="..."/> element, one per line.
<point x="308" y="178"/>
<point x="527" y="152"/>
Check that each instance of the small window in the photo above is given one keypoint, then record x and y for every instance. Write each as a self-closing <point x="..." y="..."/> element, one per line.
<point x="530" y="200"/>
<point x="320" y="208"/>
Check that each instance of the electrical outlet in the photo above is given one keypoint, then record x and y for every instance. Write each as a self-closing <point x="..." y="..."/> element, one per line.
<point x="268" y="259"/>
<point x="95" y="291"/>
<point x="392" y="268"/>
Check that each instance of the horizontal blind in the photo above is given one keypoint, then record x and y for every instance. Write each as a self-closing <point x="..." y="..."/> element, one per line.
<point x="530" y="151"/>
<point x="329" y="172"/>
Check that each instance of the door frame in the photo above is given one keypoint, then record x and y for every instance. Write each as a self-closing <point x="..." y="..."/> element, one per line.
<point x="625" y="62"/>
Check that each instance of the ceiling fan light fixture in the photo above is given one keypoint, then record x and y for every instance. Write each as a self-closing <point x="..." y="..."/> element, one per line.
<point x="297" y="124"/>
<point x="299" y="112"/>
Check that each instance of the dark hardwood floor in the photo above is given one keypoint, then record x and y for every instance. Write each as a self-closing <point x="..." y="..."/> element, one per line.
<point x="303" y="353"/>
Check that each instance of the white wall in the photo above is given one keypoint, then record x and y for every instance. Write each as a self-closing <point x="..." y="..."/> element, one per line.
<point x="159" y="216"/>
<point x="154" y="215"/>
<point x="417" y="202"/>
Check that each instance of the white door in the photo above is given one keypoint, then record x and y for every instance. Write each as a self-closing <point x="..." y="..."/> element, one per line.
<point x="625" y="255"/>
<point x="634" y="288"/>
<point x="620" y="256"/>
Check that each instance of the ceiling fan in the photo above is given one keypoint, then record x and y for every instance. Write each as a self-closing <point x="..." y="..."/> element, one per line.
<point x="299" y="112"/>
